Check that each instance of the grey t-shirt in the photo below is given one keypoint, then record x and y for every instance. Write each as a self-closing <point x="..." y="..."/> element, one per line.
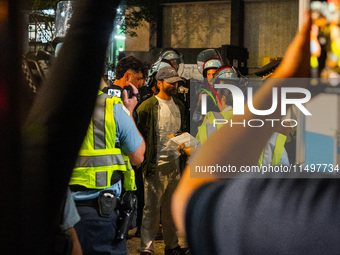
<point x="169" y="122"/>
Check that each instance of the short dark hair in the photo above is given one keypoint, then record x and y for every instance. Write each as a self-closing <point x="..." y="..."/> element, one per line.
<point x="127" y="63"/>
<point x="227" y="94"/>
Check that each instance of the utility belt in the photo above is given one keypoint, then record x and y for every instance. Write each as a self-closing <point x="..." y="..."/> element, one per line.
<point x="106" y="204"/>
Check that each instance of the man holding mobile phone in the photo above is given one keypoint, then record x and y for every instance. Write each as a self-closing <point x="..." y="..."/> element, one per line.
<point x="129" y="70"/>
<point x="103" y="172"/>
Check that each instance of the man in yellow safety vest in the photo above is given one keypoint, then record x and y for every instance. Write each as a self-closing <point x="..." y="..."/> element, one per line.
<point x="103" y="170"/>
<point x="273" y="154"/>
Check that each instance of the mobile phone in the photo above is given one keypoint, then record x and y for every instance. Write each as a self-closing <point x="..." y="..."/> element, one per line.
<point x="325" y="46"/>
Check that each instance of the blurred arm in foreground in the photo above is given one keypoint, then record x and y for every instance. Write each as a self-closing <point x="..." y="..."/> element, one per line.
<point x="59" y="119"/>
<point x="226" y="145"/>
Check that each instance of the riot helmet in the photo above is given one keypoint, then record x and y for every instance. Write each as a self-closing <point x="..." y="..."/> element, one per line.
<point x="208" y="59"/>
<point x="167" y="57"/>
<point x="173" y="58"/>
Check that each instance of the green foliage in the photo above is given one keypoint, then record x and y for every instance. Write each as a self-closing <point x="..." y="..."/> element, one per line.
<point x="137" y="12"/>
<point x="45" y="4"/>
<point x="40" y="4"/>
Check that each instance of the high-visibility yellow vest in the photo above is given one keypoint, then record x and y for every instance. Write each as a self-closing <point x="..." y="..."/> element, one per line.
<point x="209" y="125"/>
<point x="269" y="155"/>
<point x="98" y="157"/>
<point x="272" y="156"/>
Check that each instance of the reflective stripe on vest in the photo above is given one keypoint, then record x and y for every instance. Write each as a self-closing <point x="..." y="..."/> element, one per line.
<point x="269" y="155"/>
<point x="98" y="157"/>
<point x="103" y="160"/>
<point x="205" y="130"/>
<point x="272" y="156"/>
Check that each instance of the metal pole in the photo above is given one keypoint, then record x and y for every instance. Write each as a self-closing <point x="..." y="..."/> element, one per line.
<point x="237" y="23"/>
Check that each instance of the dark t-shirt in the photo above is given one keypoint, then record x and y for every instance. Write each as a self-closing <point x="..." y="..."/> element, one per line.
<point x="265" y="216"/>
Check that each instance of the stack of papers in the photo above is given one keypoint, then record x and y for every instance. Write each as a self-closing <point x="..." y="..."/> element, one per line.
<point x="186" y="138"/>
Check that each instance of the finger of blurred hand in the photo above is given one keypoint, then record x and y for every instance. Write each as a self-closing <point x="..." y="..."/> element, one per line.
<point x="125" y="96"/>
<point x="130" y="103"/>
<point x="134" y="89"/>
